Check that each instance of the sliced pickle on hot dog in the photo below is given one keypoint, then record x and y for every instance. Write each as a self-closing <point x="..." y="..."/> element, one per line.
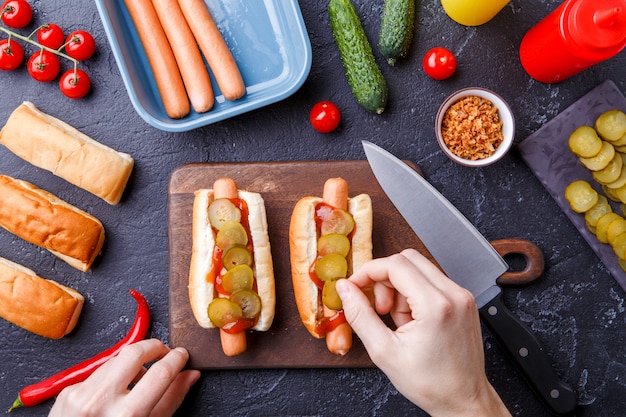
<point x="236" y="255"/>
<point x="334" y="220"/>
<point x="333" y="243"/>
<point x="222" y="211"/>
<point x="240" y="277"/>
<point x="222" y="311"/>
<point x="330" y="267"/>
<point x="249" y="301"/>
<point x="330" y="298"/>
<point x="231" y="233"/>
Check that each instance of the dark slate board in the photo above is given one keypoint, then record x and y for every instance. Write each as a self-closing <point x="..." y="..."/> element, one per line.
<point x="548" y="156"/>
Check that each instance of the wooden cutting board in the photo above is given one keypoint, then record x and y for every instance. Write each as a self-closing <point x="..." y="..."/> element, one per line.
<point x="287" y="344"/>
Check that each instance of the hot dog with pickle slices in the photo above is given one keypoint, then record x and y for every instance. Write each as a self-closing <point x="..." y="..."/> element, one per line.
<point x="231" y="275"/>
<point x="329" y="238"/>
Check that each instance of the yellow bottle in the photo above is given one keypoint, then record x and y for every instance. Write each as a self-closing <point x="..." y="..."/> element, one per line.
<point x="472" y="12"/>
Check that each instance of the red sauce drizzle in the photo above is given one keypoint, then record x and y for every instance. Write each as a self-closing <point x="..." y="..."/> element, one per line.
<point x="325" y="324"/>
<point x="239" y="325"/>
<point x="328" y="324"/>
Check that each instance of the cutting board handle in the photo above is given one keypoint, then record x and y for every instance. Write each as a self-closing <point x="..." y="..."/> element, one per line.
<point x="531" y="254"/>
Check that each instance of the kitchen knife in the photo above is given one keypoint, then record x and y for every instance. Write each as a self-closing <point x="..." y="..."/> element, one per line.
<point x="468" y="259"/>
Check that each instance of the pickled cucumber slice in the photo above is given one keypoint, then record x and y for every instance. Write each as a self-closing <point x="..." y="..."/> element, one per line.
<point x="615" y="228"/>
<point x="222" y="311"/>
<point x="249" y="301"/>
<point x="240" y="277"/>
<point x="331" y="267"/>
<point x="601" y="160"/>
<point x="611" y="125"/>
<point x="336" y="221"/>
<point x="611" y="172"/>
<point x="603" y="226"/>
<point x="333" y="243"/>
<point x="222" y="211"/>
<point x="231" y="233"/>
<point x="601" y="208"/>
<point x="236" y="255"/>
<point x="619" y="247"/>
<point x="581" y="196"/>
<point x="585" y="142"/>
<point x="330" y="298"/>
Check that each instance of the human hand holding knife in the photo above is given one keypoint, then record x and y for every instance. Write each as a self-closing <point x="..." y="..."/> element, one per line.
<point x="473" y="264"/>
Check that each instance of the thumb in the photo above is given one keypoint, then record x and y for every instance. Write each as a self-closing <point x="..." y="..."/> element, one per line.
<point x="360" y="315"/>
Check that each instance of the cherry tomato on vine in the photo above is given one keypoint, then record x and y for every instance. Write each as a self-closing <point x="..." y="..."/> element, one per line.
<point x="439" y="63"/>
<point x="75" y="84"/>
<point x="80" y="45"/>
<point x="51" y="35"/>
<point x="325" y="116"/>
<point x="43" y="66"/>
<point x="11" y="55"/>
<point x="16" y="13"/>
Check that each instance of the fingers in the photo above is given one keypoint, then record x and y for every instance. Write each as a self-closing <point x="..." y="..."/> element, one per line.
<point x="362" y="318"/>
<point x="125" y="368"/>
<point x="159" y="377"/>
<point x="175" y="394"/>
<point x="410" y="273"/>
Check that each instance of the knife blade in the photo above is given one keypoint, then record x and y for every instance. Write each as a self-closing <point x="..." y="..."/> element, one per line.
<point x="468" y="259"/>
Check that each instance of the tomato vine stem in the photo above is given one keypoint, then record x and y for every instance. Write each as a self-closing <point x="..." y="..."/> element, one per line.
<point x="27" y="39"/>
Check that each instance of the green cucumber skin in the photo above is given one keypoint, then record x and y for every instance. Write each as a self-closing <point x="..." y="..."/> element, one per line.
<point x="364" y="76"/>
<point x="396" y="29"/>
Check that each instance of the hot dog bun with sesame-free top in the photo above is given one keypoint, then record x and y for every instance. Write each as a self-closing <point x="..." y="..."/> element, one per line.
<point x="53" y="145"/>
<point x="45" y="220"/>
<point x="38" y="305"/>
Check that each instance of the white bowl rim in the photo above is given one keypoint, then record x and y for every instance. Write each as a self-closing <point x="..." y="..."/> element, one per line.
<point x="504" y="111"/>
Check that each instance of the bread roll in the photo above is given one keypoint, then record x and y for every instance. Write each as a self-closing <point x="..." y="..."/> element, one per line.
<point x="54" y="145"/>
<point x="38" y="305"/>
<point x="43" y="219"/>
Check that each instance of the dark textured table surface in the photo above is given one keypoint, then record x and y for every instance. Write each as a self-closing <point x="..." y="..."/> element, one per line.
<point x="577" y="310"/>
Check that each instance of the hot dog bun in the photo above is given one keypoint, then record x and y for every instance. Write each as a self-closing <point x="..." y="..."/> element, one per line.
<point x="54" y="145"/>
<point x="38" y="305"/>
<point x="43" y="219"/>
<point x="303" y="235"/>
<point x="201" y="291"/>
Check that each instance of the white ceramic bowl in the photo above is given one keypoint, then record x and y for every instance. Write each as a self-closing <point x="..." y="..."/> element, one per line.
<point x="504" y="112"/>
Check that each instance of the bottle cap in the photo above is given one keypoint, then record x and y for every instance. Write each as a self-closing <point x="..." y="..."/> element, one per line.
<point x="599" y="24"/>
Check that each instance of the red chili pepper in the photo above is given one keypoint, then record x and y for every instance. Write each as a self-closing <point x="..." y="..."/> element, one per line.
<point x="52" y="386"/>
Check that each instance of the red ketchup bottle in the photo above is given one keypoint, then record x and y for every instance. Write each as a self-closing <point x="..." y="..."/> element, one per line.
<point x="575" y="36"/>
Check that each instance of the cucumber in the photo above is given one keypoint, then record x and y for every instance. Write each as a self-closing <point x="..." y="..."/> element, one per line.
<point x="396" y="29"/>
<point x="364" y="77"/>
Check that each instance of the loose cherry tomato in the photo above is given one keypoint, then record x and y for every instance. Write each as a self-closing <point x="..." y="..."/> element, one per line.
<point x="11" y="55"/>
<point x="325" y="116"/>
<point x="51" y="35"/>
<point x="80" y="45"/>
<point x="16" y="13"/>
<point x="44" y="66"/>
<point x="75" y="84"/>
<point x="439" y="63"/>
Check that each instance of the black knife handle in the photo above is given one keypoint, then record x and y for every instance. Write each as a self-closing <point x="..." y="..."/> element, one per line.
<point x="525" y="350"/>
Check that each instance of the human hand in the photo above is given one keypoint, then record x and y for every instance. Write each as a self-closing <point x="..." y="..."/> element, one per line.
<point x="435" y="356"/>
<point x="158" y="390"/>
